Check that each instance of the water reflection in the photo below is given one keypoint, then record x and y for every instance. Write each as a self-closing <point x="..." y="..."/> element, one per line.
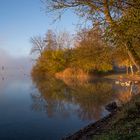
<point x="125" y="93"/>
<point x="50" y="108"/>
<point x="84" y="99"/>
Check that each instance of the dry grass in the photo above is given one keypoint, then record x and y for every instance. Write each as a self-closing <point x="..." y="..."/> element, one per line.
<point x="75" y="74"/>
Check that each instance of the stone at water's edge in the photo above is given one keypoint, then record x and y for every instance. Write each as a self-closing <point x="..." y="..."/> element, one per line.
<point x="111" y="107"/>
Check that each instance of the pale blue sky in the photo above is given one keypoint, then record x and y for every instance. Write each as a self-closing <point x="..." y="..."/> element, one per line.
<point x="22" y="19"/>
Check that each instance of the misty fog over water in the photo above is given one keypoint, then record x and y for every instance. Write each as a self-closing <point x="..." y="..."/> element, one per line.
<point x="10" y="64"/>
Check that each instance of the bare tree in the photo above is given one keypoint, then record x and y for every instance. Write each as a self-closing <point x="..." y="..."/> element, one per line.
<point x="63" y="40"/>
<point x="38" y="45"/>
<point x="57" y="40"/>
<point x="95" y="10"/>
<point x="50" y="40"/>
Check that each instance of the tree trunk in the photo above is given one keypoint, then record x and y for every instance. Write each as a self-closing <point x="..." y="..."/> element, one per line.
<point x="107" y="12"/>
<point x="127" y="70"/>
<point x="133" y="55"/>
<point x="131" y="68"/>
<point x="131" y="89"/>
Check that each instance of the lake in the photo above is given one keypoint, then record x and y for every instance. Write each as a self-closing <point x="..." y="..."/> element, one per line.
<point x="40" y="108"/>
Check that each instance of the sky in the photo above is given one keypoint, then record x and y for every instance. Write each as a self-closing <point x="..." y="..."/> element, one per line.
<point x="22" y="19"/>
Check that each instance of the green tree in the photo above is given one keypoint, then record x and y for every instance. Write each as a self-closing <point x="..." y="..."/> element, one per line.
<point x="127" y="33"/>
<point x="91" y="53"/>
<point x="56" y="54"/>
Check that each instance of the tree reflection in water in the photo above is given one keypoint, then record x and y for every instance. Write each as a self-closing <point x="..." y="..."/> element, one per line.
<point x="68" y="97"/>
<point x="125" y="94"/>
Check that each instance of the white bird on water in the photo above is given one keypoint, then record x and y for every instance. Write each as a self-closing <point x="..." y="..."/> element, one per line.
<point x="127" y="83"/>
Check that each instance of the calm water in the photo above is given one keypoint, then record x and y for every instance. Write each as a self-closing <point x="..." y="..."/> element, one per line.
<point x="41" y="108"/>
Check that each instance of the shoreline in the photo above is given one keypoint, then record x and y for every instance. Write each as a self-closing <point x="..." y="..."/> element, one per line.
<point x="80" y="75"/>
<point x="106" y="125"/>
<point x="123" y="77"/>
<point x="88" y="131"/>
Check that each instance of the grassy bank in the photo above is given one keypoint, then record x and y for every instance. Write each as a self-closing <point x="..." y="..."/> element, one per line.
<point x="125" y="125"/>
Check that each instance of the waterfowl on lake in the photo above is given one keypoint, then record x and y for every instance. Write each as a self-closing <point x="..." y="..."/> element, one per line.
<point x="136" y="82"/>
<point x="125" y="83"/>
<point x="117" y="82"/>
